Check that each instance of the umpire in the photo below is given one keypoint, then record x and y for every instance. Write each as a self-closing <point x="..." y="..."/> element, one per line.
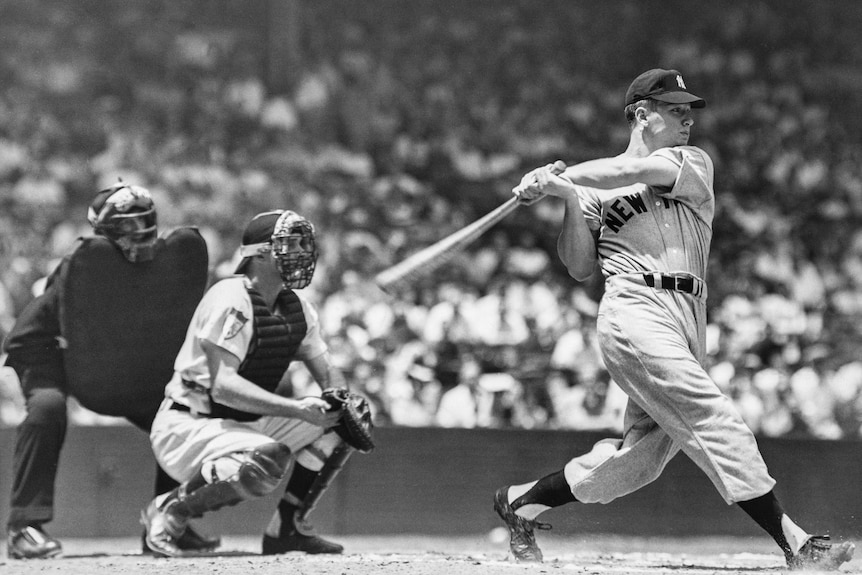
<point x="80" y="338"/>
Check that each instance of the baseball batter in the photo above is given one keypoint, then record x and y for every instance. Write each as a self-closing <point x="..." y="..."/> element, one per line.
<point x="226" y="430"/>
<point x="645" y="217"/>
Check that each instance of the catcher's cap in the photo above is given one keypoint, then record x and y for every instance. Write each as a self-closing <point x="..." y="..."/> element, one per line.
<point x="257" y="237"/>
<point x="662" y="85"/>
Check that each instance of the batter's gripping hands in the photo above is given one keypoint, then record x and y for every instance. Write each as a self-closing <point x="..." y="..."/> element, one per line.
<point x="524" y="191"/>
<point x="355" y="425"/>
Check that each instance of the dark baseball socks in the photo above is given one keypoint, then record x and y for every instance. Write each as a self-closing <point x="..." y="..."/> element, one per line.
<point x="297" y="488"/>
<point x="768" y="513"/>
<point x="532" y="499"/>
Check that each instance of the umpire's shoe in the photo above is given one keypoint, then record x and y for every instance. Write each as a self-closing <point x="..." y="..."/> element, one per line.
<point x="820" y="554"/>
<point x="522" y="539"/>
<point x="31" y="542"/>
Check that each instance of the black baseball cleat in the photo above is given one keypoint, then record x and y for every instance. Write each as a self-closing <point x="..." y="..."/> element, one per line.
<point x="31" y="542"/>
<point x="311" y="544"/>
<point x="820" y="554"/>
<point x="522" y="538"/>
<point x="191" y="540"/>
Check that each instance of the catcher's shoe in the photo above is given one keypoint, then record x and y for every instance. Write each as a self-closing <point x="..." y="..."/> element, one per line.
<point x="32" y="542"/>
<point x="190" y="540"/>
<point x="522" y="539"/>
<point x="295" y="541"/>
<point x="297" y="534"/>
<point x="291" y="538"/>
<point x="819" y="553"/>
<point x="163" y="528"/>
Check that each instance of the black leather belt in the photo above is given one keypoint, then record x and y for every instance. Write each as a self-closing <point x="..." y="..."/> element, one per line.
<point x="680" y="283"/>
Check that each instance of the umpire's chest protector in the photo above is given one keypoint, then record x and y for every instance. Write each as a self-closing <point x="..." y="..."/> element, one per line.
<point x="125" y="322"/>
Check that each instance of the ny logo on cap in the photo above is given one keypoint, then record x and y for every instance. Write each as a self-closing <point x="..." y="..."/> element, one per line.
<point x="680" y="83"/>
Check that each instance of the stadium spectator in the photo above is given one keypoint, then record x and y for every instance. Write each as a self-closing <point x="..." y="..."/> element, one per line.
<point x="432" y="130"/>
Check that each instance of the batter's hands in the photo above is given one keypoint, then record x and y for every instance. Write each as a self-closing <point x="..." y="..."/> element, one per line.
<point x="541" y="182"/>
<point x="317" y="411"/>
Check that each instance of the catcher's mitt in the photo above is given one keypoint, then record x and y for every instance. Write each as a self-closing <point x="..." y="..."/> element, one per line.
<point x="355" y="424"/>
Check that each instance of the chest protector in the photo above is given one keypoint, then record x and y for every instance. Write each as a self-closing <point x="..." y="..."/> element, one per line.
<point x="125" y="322"/>
<point x="273" y="346"/>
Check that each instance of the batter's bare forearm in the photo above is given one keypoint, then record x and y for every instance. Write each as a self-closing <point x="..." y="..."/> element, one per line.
<point x="620" y="171"/>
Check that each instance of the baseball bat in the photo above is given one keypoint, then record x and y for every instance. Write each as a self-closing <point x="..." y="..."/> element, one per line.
<point x="430" y="258"/>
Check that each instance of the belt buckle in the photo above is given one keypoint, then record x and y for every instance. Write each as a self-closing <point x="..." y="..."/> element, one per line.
<point x="686" y="284"/>
<point x="677" y="283"/>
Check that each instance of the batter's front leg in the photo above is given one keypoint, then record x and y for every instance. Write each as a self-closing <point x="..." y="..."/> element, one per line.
<point x="617" y="467"/>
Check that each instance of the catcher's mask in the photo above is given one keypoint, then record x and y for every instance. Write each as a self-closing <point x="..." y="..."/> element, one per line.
<point x="289" y="237"/>
<point x="126" y="215"/>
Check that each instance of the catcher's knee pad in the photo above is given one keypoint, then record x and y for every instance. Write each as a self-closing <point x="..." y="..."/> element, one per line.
<point x="264" y="469"/>
<point x="249" y="474"/>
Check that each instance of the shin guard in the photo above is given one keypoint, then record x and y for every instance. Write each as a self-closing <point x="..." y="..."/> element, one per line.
<point x="333" y="465"/>
<point x="235" y="478"/>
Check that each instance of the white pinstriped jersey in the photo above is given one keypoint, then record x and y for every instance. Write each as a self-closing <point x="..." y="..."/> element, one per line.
<point x="643" y="228"/>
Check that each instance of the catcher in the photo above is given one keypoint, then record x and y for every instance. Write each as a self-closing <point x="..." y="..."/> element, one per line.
<point x="227" y="430"/>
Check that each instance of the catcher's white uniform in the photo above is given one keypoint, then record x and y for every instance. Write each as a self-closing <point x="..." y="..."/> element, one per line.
<point x="184" y="440"/>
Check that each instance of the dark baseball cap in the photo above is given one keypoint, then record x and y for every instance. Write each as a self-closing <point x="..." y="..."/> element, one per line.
<point x="257" y="236"/>
<point x="664" y="86"/>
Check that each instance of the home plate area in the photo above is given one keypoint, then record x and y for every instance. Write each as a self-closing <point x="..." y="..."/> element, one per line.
<point x="426" y="555"/>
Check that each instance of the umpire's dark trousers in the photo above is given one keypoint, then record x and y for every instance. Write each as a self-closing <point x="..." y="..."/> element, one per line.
<point x="40" y="437"/>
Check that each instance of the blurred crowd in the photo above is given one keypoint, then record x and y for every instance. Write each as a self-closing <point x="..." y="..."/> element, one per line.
<point x="392" y="125"/>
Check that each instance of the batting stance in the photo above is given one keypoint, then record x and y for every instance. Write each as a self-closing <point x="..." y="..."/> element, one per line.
<point x="646" y="217"/>
<point x="104" y="331"/>
<point x="226" y="430"/>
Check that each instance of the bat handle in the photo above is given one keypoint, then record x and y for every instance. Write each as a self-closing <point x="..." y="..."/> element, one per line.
<point x="557" y="168"/>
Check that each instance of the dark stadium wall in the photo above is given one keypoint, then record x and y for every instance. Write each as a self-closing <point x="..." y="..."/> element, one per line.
<point x="441" y="481"/>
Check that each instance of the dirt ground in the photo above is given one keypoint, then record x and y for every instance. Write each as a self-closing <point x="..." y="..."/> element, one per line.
<point x="419" y="555"/>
